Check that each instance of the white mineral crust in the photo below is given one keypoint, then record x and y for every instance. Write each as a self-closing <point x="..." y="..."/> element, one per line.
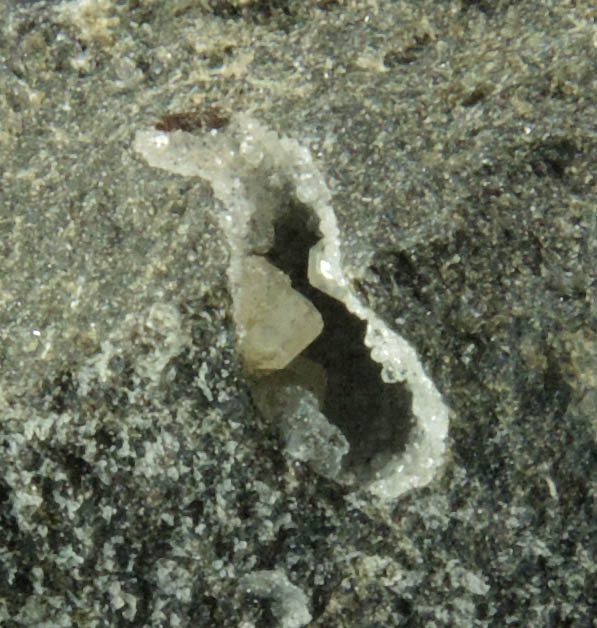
<point x="252" y="170"/>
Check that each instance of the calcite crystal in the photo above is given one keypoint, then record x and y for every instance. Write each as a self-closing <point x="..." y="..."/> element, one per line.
<point x="275" y="323"/>
<point x="351" y="399"/>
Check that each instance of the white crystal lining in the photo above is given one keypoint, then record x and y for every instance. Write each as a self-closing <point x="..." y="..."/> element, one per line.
<point x="249" y="167"/>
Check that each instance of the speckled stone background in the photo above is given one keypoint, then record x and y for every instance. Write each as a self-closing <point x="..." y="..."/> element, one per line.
<point x="137" y="483"/>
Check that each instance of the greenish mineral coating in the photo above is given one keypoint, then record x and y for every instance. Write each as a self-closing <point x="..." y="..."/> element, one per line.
<point x="139" y="486"/>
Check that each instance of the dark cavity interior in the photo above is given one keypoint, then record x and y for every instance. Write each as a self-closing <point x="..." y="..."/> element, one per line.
<point x="375" y="417"/>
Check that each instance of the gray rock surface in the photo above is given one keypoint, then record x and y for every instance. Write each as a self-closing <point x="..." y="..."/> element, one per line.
<point x="138" y="484"/>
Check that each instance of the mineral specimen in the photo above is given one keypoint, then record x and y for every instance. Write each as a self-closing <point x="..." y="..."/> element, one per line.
<point x="350" y="395"/>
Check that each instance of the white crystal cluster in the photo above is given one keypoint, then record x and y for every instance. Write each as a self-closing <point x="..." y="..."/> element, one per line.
<point x="288" y="603"/>
<point x="252" y="171"/>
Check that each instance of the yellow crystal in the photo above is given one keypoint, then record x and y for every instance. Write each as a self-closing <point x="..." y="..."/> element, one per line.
<point x="274" y="322"/>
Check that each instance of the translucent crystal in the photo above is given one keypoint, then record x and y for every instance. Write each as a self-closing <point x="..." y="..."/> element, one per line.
<point x="274" y="322"/>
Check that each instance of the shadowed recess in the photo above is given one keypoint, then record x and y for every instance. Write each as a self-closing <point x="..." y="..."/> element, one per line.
<point x="374" y="416"/>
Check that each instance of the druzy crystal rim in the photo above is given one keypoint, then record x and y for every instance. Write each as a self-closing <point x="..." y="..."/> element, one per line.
<point x="249" y="168"/>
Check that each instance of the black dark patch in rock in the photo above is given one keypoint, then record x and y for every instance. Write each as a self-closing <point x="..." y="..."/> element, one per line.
<point x="551" y="157"/>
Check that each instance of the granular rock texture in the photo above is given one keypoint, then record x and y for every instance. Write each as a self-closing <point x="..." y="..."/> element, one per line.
<point x="140" y="484"/>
